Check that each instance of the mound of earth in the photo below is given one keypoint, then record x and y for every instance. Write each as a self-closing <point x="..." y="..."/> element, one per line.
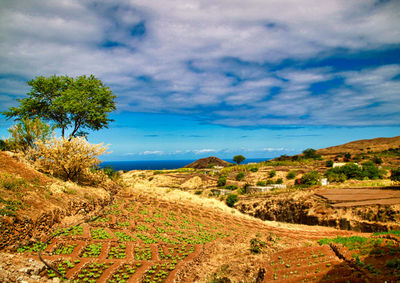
<point x="207" y="162"/>
<point x="376" y="145"/>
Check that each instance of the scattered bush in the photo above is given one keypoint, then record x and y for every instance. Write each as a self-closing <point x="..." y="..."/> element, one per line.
<point x="243" y="190"/>
<point x="4" y="145"/>
<point x="279" y="181"/>
<point x="329" y="163"/>
<point x="239" y="176"/>
<point x="291" y="175"/>
<point x="395" y="174"/>
<point x="271" y="173"/>
<point x="311" y="153"/>
<point x="231" y="187"/>
<point x="270" y="182"/>
<point x="231" y="200"/>
<point x="310" y="179"/>
<point x="24" y="134"/>
<point x="353" y="171"/>
<point x="198" y="192"/>
<point x="261" y="183"/>
<point x="254" y="169"/>
<point x="377" y="160"/>
<point x="69" y="159"/>
<point x="221" y="181"/>
<point x="111" y="173"/>
<point x="347" y="157"/>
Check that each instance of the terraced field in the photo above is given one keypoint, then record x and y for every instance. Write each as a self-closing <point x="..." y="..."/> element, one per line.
<point x="145" y="239"/>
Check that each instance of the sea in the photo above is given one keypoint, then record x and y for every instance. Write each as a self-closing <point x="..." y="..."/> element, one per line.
<point x="160" y="164"/>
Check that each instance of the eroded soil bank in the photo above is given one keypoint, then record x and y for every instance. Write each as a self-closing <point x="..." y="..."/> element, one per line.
<point x="312" y="208"/>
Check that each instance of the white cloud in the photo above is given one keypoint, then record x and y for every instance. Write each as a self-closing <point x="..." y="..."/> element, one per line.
<point x="199" y="55"/>
<point x="152" y="152"/>
<point x="204" y="151"/>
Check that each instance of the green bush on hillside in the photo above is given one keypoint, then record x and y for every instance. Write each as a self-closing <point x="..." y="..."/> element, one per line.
<point x="239" y="176"/>
<point x="221" y="181"/>
<point x="291" y="175"/>
<point x="272" y="173"/>
<point x="310" y="179"/>
<point x="395" y="174"/>
<point x="231" y="200"/>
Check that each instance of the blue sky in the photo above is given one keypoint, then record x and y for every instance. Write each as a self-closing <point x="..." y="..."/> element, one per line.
<point x="201" y="78"/>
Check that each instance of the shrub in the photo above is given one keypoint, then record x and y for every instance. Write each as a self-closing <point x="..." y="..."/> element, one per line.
<point x="329" y="163"/>
<point x="377" y="160"/>
<point x="198" y="192"/>
<point x="111" y="173"/>
<point x="310" y="179"/>
<point x="24" y="134"/>
<point x="291" y="175"/>
<point x="370" y="171"/>
<point x="231" y="187"/>
<point x="231" y="200"/>
<point x="395" y="174"/>
<point x="311" y="153"/>
<point x="69" y="159"/>
<point x="270" y="182"/>
<point x="243" y="190"/>
<point x="261" y="183"/>
<point x="221" y="181"/>
<point x="279" y="181"/>
<point x="239" y="176"/>
<point x="4" y="145"/>
<point x="347" y="157"/>
<point x="271" y="173"/>
<point x="335" y="177"/>
<point x="254" y="169"/>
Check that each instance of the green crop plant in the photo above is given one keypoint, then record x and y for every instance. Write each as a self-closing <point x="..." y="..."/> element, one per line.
<point x="65" y="249"/>
<point x="123" y="224"/>
<point x="99" y="234"/>
<point x="124" y="237"/>
<point x="117" y="251"/>
<point x="143" y="253"/>
<point x="92" y="250"/>
<point x="35" y="247"/>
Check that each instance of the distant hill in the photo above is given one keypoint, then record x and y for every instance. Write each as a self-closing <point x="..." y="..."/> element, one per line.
<point x="377" y="144"/>
<point x="205" y="163"/>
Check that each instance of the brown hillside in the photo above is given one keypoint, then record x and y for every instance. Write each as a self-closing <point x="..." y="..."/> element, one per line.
<point x="377" y="144"/>
<point x="205" y="162"/>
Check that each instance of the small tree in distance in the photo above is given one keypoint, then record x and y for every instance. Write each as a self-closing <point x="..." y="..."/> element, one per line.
<point x="239" y="158"/>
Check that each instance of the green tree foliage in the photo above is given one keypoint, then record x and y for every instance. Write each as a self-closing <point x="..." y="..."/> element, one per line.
<point x="311" y="154"/>
<point x="353" y="171"/>
<point x="81" y="103"/>
<point x="347" y="157"/>
<point x="24" y="134"/>
<point x="310" y="179"/>
<point x="239" y="176"/>
<point x="4" y="145"/>
<point x="395" y="174"/>
<point x="231" y="200"/>
<point x="239" y="159"/>
<point x="329" y="163"/>
<point x="377" y="160"/>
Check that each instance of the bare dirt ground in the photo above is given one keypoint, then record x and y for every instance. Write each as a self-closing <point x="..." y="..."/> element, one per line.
<point x="359" y="197"/>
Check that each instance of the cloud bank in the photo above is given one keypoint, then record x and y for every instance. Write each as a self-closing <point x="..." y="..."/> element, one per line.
<point x="233" y="63"/>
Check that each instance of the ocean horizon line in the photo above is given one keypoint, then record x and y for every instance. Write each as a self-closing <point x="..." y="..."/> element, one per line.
<point x="129" y="165"/>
